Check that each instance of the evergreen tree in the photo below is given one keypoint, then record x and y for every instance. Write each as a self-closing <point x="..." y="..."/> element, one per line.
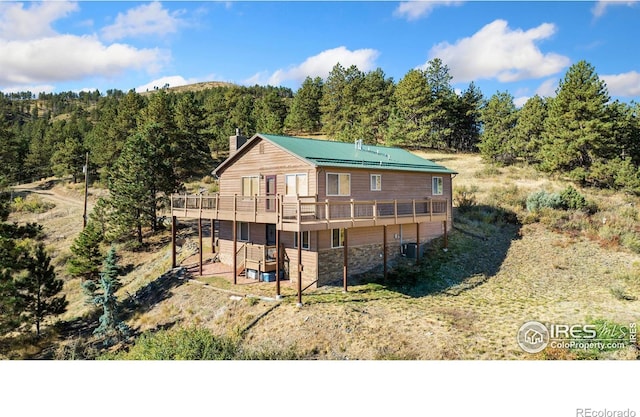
<point x="441" y="103"/>
<point x="467" y="120"/>
<point x="86" y="258"/>
<point x="304" y="115"/>
<point x="269" y="113"/>
<point x="131" y="201"/>
<point x="10" y="306"/>
<point x="10" y="158"/>
<point x="529" y="129"/>
<point x="117" y="119"/>
<point x="341" y="103"/>
<point x="191" y="144"/>
<point x="239" y="112"/>
<point x="39" y="290"/>
<point x="111" y="326"/>
<point x="374" y="103"/>
<point x="577" y="131"/>
<point x="215" y="114"/>
<point x="499" y="117"/>
<point x="69" y="158"/>
<point x="14" y="240"/>
<point x="407" y="120"/>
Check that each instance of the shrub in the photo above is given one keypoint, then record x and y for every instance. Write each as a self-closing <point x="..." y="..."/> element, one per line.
<point x="183" y="344"/>
<point x="196" y="344"/>
<point x="465" y="197"/>
<point x="510" y="195"/>
<point x="488" y="171"/>
<point x="31" y="204"/>
<point x="542" y="199"/>
<point x="631" y="241"/>
<point x="572" y="199"/>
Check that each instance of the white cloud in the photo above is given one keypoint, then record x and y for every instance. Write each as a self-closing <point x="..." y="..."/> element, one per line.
<point x="623" y="85"/>
<point x="259" y="78"/>
<point x="520" y="101"/>
<point x="36" y="89"/>
<point x="413" y="10"/>
<point x="496" y="51"/>
<point x="148" y="19"/>
<point x="602" y="5"/>
<point x="320" y="65"/>
<point x="68" y="57"/>
<point x="548" y="88"/>
<point x="33" y="55"/>
<point x="172" y="80"/>
<point x="18" y="23"/>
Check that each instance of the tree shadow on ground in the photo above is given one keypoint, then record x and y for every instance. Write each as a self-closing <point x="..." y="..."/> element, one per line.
<point x="81" y="329"/>
<point x="477" y="247"/>
<point x="154" y="292"/>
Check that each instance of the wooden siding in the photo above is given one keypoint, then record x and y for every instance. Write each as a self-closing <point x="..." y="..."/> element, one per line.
<point x="395" y="184"/>
<point x="261" y="159"/>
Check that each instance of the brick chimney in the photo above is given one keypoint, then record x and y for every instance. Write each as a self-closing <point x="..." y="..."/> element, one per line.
<point x="236" y="142"/>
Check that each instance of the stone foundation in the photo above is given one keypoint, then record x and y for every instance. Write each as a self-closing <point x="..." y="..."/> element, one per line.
<point x="361" y="259"/>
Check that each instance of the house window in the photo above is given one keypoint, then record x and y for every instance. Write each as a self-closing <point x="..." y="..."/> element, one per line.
<point x="296" y="184"/>
<point x="305" y="240"/>
<point x="337" y="238"/>
<point x="243" y="231"/>
<point x="376" y="182"/>
<point x="338" y="184"/>
<point x="250" y="186"/>
<point x="436" y="186"/>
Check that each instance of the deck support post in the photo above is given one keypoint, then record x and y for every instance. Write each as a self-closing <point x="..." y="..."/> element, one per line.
<point x="384" y="251"/>
<point x="174" y="227"/>
<point x="299" y="283"/>
<point x="235" y="250"/>
<point x="446" y="237"/>
<point x="345" y="260"/>
<point x="213" y="236"/>
<point x="200" y="245"/>
<point x="417" y="243"/>
<point x="278" y="295"/>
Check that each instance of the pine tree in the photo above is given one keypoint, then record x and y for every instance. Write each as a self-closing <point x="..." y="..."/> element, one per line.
<point x="130" y="183"/>
<point x="304" y="115"/>
<point x="467" y="120"/>
<point x="191" y="143"/>
<point x="440" y="105"/>
<point x="341" y="102"/>
<point x="529" y="128"/>
<point x="407" y="120"/>
<point x="577" y="132"/>
<point x="375" y="97"/>
<point x="86" y="258"/>
<point x="269" y="113"/>
<point x="111" y="327"/>
<point x="39" y="290"/>
<point x="499" y="117"/>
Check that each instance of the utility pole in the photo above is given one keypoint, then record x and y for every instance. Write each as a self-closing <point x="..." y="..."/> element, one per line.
<point x="86" y="190"/>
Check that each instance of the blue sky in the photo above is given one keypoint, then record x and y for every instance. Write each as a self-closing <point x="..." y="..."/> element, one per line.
<point x="524" y="48"/>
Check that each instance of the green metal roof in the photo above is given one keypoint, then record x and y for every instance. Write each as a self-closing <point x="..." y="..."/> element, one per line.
<point x="344" y="154"/>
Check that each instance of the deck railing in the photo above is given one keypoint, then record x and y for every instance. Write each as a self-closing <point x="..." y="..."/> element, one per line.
<point x="304" y="209"/>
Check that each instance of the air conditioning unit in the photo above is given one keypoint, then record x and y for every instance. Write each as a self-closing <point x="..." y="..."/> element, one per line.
<point x="410" y="250"/>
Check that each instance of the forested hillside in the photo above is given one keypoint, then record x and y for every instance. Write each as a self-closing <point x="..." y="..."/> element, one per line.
<point x="580" y="131"/>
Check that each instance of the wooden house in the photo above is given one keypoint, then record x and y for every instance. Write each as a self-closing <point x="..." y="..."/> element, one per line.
<point x="319" y="210"/>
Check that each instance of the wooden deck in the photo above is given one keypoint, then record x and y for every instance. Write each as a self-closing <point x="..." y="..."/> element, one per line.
<point x="307" y="213"/>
